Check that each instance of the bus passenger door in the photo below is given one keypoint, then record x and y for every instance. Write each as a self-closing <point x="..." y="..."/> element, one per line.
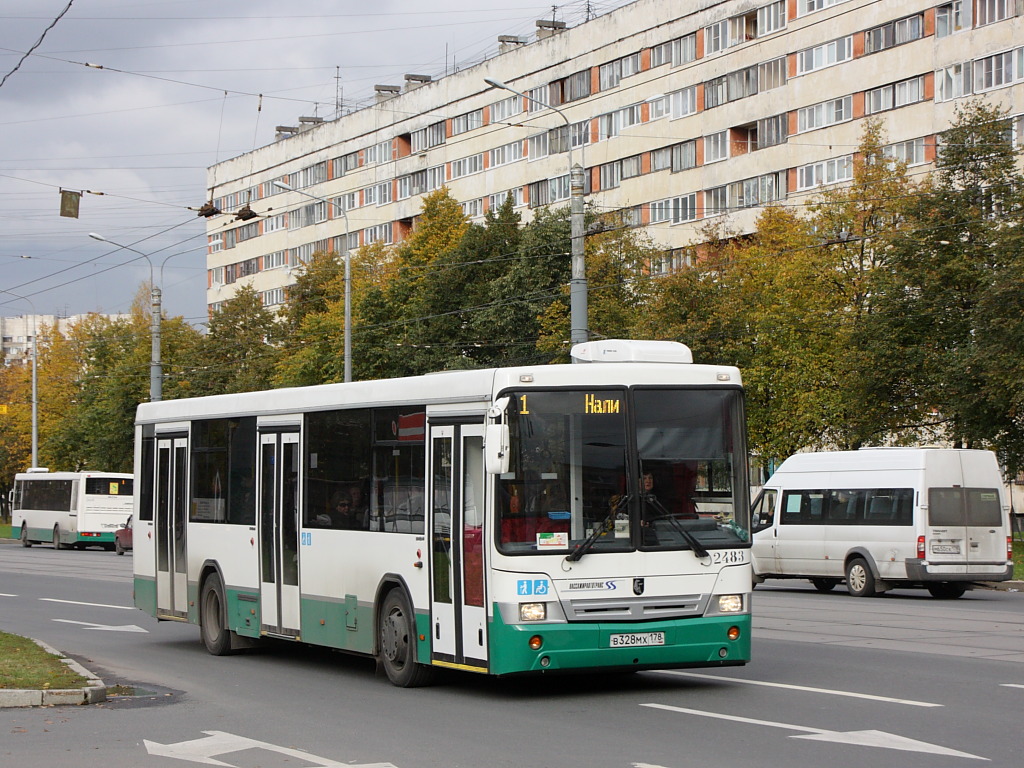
<point x="457" y="613"/>
<point x="278" y="480"/>
<point x="171" y="518"/>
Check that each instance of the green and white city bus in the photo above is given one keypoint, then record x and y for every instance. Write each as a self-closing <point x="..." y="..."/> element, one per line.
<point x="503" y="521"/>
<point x="69" y="509"/>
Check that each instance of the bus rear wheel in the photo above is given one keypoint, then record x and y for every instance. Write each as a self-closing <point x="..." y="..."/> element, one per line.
<point x="947" y="590"/>
<point x="860" y="581"/>
<point x="213" y="623"/>
<point x="396" y="637"/>
<point x="824" y="585"/>
<point x="24" y="536"/>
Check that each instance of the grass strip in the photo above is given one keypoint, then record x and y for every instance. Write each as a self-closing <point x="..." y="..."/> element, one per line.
<point x="25" y="665"/>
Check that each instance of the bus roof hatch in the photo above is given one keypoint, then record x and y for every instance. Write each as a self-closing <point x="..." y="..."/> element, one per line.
<point x="631" y="351"/>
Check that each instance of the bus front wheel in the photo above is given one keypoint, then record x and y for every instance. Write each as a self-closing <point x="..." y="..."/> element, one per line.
<point x="57" y="543"/>
<point x="24" y="536"/>
<point x="396" y="636"/>
<point x="213" y="624"/>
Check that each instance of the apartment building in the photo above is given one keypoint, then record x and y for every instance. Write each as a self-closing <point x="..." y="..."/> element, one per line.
<point x="678" y="113"/>
<point x="19" y="333"/>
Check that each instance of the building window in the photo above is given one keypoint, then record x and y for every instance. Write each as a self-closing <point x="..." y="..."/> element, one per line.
<point x="495" y="201"/>
<point x="825" y="172"/>
<point x="771" y="74"/>
<point x="661" y="159"/>
<point x="716" y="147"/>
<point x="216" y="279"/>
<point x="578" y="135"/>
<point x="275" y="260"/>
<point x="536" y="100"/>
<point x="771" y="18"/>
<point x="684" y="102"/>
<point x="467" y="165"/>
<point x="273" y="223"/>
<point x="611" y="73"/>
<point x="345" y="164"/>
<point x="772" y="130"/>
<point x="949" y="19"/>
<point x="384" y="193"/>
<point x="381" y="233"/>
<point x="378" y="153"/>
<point x="473" y="209"/>
<point x="571" y="88"/>
<point x="674" y="210"/>
<point x="426" y="138"/>
<point x="810" y="6"/>
<point x="273" y="297"/>
<point x="607" y="125"/>
<point x="467" y="122"/>
<point x="716" y="37"/>
<point x="346" y="202"/>
<point x="549" y="191"/>
<point x="759" y="190"/>
<point x="537" y="146"/>
<point x="506" y="108"/>
<point x="909" y="152"/>
<point x="684" y="156"/>
<point x="894" y="33"/>
<point x="824" y="114"/>
<point x="953" y="82"/>
<point x="714" y="92"/>
<point x="825" y="55"/>
<point x="716" y="201"/>
<point x="307" y="177"/>
<point x="684" y="49"/>
<point x="998" y="70"/>
<point x="990" y="11"/>
<point x="611" y="175"/>
<point x="507" y="153"/>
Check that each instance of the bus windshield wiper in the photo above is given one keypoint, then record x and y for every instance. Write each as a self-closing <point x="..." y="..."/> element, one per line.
<point x="605" y="526"/>
<point x="664" y="514"/>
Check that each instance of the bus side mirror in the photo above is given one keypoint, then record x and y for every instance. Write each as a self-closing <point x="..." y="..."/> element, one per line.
<point x="497" y="449"/>
<point x="496" y="439"/>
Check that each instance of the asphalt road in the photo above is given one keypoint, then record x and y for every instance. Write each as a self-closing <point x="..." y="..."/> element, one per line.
<point x="900" y="680"/>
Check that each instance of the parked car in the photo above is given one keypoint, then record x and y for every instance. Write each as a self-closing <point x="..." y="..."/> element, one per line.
<point x="123" y="537"/>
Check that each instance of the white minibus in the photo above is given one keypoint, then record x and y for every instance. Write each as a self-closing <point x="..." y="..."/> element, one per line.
<point x="70" y="509"/>
<point x="881" y="518"/>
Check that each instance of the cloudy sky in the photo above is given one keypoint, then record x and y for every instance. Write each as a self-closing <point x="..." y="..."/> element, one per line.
<point x="171" y="87"/>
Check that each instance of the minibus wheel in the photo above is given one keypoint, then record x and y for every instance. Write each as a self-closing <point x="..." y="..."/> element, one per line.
<point x="860" y="581"/>
<point x="946" y="590"/>
<point x="824" y="585"/>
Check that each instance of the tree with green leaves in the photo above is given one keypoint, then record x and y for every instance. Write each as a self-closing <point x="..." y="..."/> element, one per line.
<point x="240" y="349"/>
<point x="951" y="296"/>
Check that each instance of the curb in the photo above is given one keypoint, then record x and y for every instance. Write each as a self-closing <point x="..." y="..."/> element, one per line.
<point x="1002" y="586"/>
<point x="92" y="693"/>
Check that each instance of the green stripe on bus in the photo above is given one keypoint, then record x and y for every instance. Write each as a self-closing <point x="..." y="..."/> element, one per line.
<point x="696" y="641"/>
<point x="145" y="594"/>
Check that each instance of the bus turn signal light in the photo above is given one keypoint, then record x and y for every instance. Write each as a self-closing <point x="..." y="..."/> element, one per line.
<point x="536" y="642"/>
<point x="733" y="633"/>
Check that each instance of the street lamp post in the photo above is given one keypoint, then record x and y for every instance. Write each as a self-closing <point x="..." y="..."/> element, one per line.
<point x="578" y="283"/>
<point x="156" y="373"/>
<point x="348" y="274"/>
<point x="35" y="379"/>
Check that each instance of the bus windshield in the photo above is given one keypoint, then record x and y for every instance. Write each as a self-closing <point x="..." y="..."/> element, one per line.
<point x="624" y="469"/>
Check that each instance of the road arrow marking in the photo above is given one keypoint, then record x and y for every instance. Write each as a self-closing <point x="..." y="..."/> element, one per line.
<point x="859" y="738"/>
<point x="105" y="627"/>
<point x="219" y="742"/>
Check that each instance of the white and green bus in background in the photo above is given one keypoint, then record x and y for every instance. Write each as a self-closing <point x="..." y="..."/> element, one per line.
<point x="504" y="521"/>
<point x="70" y="509"/>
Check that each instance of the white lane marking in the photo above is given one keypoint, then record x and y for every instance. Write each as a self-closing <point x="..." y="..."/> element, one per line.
<point x="870" y="738"/>
<point x="219" y="742"/>
<point x="6" y="594"/>
<point x="105" y="627"/>
<point x="1011" y="685"/>
<point x="89" y="605"/>
<point x="808" y="689"/>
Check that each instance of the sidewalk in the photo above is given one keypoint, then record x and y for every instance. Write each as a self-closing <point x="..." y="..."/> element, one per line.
<point x="94" y="691"/>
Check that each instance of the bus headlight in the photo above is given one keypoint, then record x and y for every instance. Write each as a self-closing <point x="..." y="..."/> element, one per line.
<point x="730" y="603"/>
<point x="533" y="611"/>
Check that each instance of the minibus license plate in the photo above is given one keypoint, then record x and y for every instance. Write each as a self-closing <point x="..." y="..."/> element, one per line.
<point x="633" y="639"/>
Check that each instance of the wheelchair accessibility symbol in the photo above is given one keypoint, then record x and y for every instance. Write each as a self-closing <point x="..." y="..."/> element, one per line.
<point x="532" y="587"/>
